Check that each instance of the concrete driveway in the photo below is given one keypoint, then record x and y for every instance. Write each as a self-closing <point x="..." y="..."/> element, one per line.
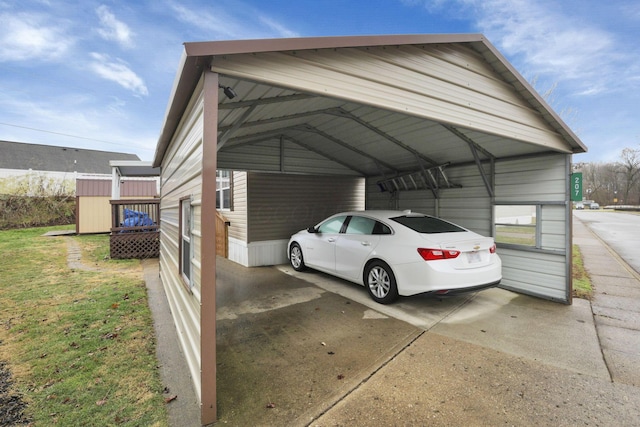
<point x="307" y="349"/>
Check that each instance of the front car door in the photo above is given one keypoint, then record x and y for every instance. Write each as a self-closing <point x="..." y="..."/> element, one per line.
<point x="360" y="238"/>
<point x="320" y="249"/>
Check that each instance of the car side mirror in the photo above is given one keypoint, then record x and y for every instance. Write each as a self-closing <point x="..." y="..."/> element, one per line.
<point x="312" y="230"/>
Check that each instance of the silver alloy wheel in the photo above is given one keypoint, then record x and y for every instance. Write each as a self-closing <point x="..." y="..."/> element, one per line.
<point x="379" y="281"/>
<point x="295" y="256"/>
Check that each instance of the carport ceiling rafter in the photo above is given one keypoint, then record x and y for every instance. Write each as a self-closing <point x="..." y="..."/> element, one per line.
<point x="244" y="123"/>
<point x="340" y="112"/>
<point x="277" y="133"/>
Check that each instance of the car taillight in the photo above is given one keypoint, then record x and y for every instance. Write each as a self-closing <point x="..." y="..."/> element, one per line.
<point x="492" y="249"/>
<point x="434" y="254"/>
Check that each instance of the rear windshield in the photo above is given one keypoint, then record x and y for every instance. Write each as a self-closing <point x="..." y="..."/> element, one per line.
<point x="427" y="224"/>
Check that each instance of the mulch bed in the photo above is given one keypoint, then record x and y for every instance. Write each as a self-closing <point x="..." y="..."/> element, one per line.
<point x="11" y="405"/>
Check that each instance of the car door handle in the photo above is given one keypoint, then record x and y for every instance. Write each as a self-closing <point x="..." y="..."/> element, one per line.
<point x="365" y="243"/>
<point x="331" y="240"/>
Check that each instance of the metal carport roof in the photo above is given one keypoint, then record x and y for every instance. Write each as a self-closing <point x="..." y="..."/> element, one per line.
<point x="439" y="109"/>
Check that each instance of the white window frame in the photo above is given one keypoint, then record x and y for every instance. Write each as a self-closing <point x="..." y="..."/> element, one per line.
<point x="186" y="241"/>
<point x="223" y="182"/>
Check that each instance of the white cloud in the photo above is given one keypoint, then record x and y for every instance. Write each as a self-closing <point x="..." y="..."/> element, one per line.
<point x="230" y="20"/>
<point x="26" y="36"/>
<point x="119" y="72"/>
<point x="113" y="29"/>
<point x="280" y="29"/>
<point x="548" y="41"/>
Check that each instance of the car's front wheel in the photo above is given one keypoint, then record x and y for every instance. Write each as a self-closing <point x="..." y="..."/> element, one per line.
<point x="381" y="283"/>
<point x="296" y="258"/>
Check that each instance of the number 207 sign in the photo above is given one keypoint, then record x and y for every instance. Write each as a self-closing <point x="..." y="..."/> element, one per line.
<point x="576" y="187"/>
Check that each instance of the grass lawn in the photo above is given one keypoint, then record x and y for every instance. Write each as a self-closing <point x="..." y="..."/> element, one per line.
<point x="80" y="344"/>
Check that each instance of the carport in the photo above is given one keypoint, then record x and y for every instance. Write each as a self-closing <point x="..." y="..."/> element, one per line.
<point x="441" y="124"/>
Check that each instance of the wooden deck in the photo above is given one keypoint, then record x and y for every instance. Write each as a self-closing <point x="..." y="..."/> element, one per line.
<point x="135" y="229"/>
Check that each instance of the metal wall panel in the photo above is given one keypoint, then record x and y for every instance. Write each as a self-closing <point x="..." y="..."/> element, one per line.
<point x="534" y="180"/>
<point x="542" y="181"/>
<point x="93" y="187"/>
<point x="538" y="274"/>
<point x="181" y="177"/>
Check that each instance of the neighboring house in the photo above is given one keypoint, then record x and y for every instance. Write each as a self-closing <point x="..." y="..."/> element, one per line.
<point x="54" y="166"/>
<point x="440" y="124"/>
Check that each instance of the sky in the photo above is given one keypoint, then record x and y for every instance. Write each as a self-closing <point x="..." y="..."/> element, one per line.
<point x="98" y="74"/>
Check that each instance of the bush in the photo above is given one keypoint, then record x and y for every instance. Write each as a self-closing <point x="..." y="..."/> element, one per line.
<point x="25" y="211"/>
<point x="36" y="200"/>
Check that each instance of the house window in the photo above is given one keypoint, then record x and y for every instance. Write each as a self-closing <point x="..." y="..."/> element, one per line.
<point x="223" y="190"/>
<point x="186" y="249"/>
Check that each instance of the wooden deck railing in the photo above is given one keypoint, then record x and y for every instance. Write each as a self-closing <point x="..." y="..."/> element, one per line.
<point x="135" y="228"/>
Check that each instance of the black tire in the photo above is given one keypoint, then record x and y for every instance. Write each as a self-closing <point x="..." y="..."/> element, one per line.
<point x="381" y="283"/>
<point x="295" y="257"/>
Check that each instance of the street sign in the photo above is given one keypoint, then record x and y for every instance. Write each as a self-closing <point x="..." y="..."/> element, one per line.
<point x="576" y="187"/>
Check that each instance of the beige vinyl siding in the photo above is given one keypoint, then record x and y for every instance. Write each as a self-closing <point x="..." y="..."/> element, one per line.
<point x="280" y="205"/>
<point x="237" y="216"/>
<point x="182" y="177"/>
<point x="446" y="83"/>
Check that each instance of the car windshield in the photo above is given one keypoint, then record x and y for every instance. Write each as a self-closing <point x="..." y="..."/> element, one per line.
<point x="427" y="224"/>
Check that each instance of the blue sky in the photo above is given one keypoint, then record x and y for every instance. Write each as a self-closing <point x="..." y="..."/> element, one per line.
<point x="97" y="74"/>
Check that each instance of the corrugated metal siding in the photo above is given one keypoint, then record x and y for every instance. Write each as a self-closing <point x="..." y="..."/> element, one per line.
<point x="280" y="205"/>
<point x="469" y="206"/>
<point x="544" y="181"/>
<point x="446" y="83"/>
<point x="181" y="177"/>
<point x="93" y="187"/>
<point x="138" y="188"/>
<point x="128" y="188"/>
<point x="274" y="156"/>
<point x="535" y="180"/>
<point x="538" y="274"/>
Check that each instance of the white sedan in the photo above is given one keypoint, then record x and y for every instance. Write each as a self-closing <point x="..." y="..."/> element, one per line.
<point x="398" y="253"/>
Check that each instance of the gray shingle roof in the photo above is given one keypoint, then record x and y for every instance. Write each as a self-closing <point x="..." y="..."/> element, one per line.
<point x="18" y="155"/>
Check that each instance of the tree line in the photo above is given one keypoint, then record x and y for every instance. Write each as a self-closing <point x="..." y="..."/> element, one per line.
<point x="613" y="183"/>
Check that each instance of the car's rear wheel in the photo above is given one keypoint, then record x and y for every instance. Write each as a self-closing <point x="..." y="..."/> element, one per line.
<point x="296" y="258"/>
<point x="381" y="283"/>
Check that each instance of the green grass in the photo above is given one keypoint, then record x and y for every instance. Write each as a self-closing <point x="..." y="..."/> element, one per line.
<point x="581" y="282"/>
<point x="517" y="235"/>
<point x="80" y="344"/>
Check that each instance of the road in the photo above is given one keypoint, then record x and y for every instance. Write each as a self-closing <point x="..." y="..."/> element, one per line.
<point x="619" y="230"/>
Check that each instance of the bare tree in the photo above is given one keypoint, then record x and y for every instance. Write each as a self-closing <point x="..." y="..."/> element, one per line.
<point x="629" y="170"/>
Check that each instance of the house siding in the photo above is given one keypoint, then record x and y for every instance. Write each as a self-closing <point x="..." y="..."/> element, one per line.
<point x="268" y="208"/>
